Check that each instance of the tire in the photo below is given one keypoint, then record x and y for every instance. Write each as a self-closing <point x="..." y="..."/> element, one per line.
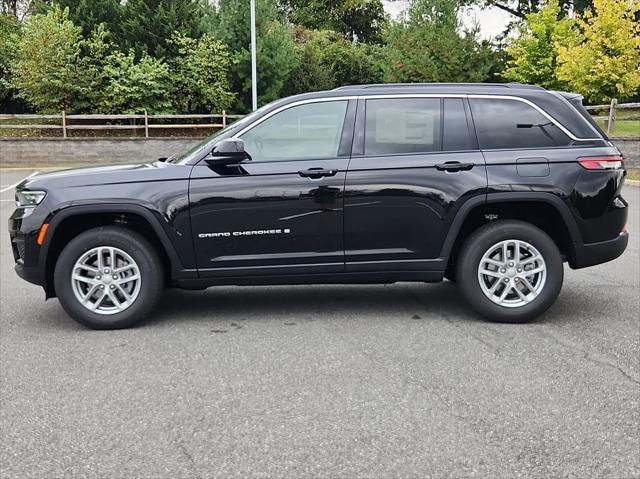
<point x="111" y="303"/>
<point x="525" y="303"/>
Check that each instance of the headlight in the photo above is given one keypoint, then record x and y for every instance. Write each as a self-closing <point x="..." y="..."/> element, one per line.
<point x="29" y="198"/>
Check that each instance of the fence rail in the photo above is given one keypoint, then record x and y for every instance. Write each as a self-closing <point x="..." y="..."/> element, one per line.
<point x="148" y="122"/>
<point x="611" y="108"/>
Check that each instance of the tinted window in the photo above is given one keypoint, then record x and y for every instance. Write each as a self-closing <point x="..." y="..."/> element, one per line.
<point x="455" y="134"/>
<point x="401" y="126"/>
<point x="310" y="131"/>
<point x="513" y="124"/>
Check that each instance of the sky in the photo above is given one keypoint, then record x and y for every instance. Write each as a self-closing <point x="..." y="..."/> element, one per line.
<point x="492" y="21"/>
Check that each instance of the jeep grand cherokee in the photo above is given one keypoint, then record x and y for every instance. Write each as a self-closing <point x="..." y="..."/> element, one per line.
<point x="491" y="186"/>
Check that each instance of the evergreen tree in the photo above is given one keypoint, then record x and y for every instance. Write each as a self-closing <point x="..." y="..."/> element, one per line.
<point x="276" y="55"/>
<point x="362" y="20"/>
<point x="148" y="25"/>
<point x="88" y="14"/>
<point x="430" y="45"/>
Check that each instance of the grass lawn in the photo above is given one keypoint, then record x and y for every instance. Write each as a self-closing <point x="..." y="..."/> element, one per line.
<point x="633" y="175"/>
<point x="623" y="127"/>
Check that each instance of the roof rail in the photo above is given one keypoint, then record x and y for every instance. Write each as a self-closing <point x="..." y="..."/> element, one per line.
<point x="419" y="85"/>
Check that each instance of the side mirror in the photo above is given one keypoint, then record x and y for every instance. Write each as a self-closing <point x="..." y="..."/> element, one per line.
<point x="228" y="152"/>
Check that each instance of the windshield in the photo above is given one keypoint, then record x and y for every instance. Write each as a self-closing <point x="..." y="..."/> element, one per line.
<point x="199" y="150"/>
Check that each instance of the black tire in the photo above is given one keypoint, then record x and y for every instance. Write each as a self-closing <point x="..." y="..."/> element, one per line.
<point x="480" y="241"/>
<point x="136" y="246"/>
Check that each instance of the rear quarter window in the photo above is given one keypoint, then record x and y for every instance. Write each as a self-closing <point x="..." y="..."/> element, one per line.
<point x="512" y="124"/>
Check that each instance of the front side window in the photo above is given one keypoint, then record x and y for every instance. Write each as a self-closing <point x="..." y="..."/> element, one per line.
<point x="303" y="132"/>
<point x="512" y="124"/>
<point x="402" y="126"/>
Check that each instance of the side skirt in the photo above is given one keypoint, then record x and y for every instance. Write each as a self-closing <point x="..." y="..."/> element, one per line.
<point x="369" y="277"/>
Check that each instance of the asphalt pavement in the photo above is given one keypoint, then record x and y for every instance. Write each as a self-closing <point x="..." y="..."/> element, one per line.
<point x="392" y="381"/>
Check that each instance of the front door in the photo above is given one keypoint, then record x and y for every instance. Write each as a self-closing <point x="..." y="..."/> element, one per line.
<point x="282" y="211"/>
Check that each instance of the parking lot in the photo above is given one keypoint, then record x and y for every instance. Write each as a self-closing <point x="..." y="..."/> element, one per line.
<point x="388" y="381"/>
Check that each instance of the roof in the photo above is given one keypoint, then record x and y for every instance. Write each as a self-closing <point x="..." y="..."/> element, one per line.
<point x="440" y="87"/>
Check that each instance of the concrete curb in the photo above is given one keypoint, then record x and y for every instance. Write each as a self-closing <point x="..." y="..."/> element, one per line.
<point x="632" y="182"/>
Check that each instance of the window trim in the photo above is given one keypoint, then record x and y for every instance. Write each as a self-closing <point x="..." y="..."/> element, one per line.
<point x="349" y="113"/>
<point x="535" y="107"/>
<point x="292" y="105"/>
<point x="414" y="95"/>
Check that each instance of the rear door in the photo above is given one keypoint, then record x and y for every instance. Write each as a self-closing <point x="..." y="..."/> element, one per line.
<point x="282" y="211"/>
<point x="415" y="162"/>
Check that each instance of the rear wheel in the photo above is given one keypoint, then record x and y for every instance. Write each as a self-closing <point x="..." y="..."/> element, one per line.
<point x="510" y="271"/>
<point x="108" y="278"/>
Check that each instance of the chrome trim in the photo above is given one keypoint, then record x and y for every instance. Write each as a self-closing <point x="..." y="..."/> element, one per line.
<point x="416" y="95"/>
<point x="566" y="100"/>
<point x="291" y="105"/>
<point x="530" y="103"/>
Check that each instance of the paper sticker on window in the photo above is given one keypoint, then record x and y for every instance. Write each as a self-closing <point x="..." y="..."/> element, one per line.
<point x="403" y="126"/>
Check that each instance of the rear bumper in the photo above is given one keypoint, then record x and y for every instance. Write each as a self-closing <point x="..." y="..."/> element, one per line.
<point x="597" y="253"/>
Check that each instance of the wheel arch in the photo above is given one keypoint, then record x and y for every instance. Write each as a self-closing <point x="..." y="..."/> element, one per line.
<point x="73" y="220"/>
<point x="544" y="210"/>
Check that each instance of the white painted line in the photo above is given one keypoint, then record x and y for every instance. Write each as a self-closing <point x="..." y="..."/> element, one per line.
<point x="10" y="187"/>
<point x="8" y="200"/>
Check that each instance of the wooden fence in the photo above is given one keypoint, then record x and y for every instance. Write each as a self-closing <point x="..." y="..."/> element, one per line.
<point x="65" y="122"/>
<point x="611" y="109"/>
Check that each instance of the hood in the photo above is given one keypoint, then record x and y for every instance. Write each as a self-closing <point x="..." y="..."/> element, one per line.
<point x="105" y="175"/>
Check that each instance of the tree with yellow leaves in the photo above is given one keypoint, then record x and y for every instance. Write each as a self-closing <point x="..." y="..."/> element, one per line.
<point x="603" y="62"/>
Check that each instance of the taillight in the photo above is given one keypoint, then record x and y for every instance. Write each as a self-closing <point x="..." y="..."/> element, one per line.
<point x="601" y="162"/>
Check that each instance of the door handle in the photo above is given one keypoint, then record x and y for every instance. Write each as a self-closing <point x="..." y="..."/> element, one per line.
<point x="454" y="166"/>
<point x="315" y="173"/>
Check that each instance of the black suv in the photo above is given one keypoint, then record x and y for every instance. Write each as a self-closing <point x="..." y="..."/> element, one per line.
<point x="490" y="186"/>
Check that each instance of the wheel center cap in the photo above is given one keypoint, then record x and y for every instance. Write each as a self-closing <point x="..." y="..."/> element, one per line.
<point x="107" y="279"/>
<point x="511" y="272"/>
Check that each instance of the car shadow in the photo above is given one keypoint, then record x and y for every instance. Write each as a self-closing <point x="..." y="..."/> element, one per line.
<point x="305" y="303"/>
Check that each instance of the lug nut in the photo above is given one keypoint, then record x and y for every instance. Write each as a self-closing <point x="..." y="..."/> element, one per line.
<point x="115" y="276"/>
<point x="106" y="270"/>
<point x="516" y="280"/>
<point x="519" y="270"/>
<point x="506" y="280"/>
<point x="503" y="270"/>
<point x="510" y="263"/>
<point x="102" y="286"/>
<point x="112" y="286"/>
<point x="98" y="277"/>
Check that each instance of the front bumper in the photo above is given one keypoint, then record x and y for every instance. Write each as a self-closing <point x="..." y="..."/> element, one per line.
<point x="33" y="274"/>
<point x="27" y="253"/>
<point x="596" y="253"/>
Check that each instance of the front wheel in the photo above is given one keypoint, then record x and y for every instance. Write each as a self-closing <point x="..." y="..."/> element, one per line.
<point x="510" y="271"/>
<point x="108" y="278"/>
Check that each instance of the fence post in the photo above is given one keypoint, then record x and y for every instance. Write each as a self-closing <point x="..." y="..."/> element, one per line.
<point x="64" y="124"/>
<point x="224" y="118"/>
<point x="146" y="124"/>
<point x="612" y="116"/>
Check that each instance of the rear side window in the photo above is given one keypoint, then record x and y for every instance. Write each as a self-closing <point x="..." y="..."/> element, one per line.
<point x="400" y="126"/>
<point x="512" y="124"/>
<point x="456" y="135"/>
